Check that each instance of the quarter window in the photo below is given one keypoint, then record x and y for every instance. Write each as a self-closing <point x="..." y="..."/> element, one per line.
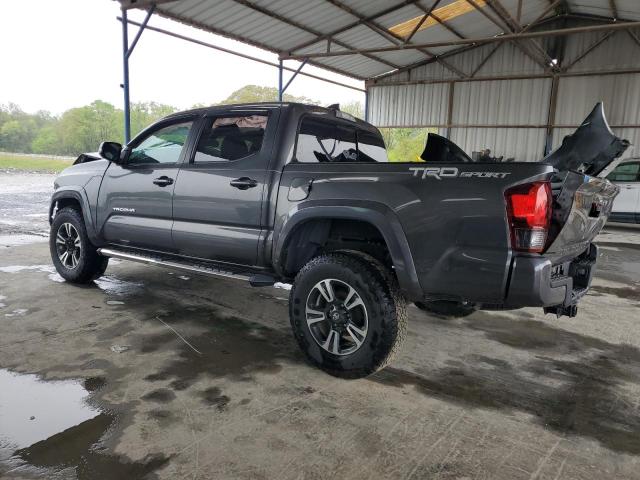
<point x="231" y="138"/>
<point x="321" y="140"/>
<point x="162" y="146"/>
<point x="627" y="172"/>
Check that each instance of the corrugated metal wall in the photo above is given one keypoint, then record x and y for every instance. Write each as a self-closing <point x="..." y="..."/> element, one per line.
<point x="521" y="105"/>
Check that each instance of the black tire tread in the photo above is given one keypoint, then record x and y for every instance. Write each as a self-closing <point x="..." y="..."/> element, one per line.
<point x="391" y="304"/>
<point x="92" y="264"/>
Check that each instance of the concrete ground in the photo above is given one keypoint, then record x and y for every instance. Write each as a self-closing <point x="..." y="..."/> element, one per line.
<point x="152" y="374"/>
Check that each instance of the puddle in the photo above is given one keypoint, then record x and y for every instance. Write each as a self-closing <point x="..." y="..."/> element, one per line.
<point x="284" y="286"/>
<point x="49" y="269"/>
<point x="32" y="410"/>
<point x="18" y="312"/>
<point x="48" y="430"/>
<point x="115" y="286"/>
<point x="22" y="239"/>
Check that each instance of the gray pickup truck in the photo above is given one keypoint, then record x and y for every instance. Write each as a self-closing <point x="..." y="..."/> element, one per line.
<point x="303" y="194"/>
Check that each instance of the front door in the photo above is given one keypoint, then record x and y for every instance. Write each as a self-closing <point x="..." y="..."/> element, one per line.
<point x="217" y="204"/>
<point x="135" y="199"/>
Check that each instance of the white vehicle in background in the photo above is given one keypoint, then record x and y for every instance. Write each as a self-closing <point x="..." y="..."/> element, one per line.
<point x="626" y="206"/>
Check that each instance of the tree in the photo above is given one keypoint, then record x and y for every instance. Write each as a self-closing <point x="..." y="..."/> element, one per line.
<point x="353" y="108"/>
<point x="145" y="113"/>
<point x="47" y="141"/>
<point x="256" y="93"/>
<point x="16" y="135"/>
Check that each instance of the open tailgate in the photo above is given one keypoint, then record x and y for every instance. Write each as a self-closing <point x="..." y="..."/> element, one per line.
<point x="582" y="202"/>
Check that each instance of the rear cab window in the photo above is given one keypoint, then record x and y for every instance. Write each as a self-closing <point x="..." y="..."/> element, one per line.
<point x="228" y="138"/>
<point x="322" y="140"/>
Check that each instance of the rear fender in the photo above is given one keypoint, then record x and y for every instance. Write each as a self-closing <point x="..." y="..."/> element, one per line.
<point x="374" y="213"/>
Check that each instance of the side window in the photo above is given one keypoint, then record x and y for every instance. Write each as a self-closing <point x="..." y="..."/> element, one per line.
<point x="162" y="146"/>
<point x="627" y="172"/>
<point x="371" y="147"/>
<point x="231" y="138"/>
<point x="325" y="141"/>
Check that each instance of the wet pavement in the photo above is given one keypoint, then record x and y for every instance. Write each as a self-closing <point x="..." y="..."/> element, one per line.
<point x="151" y="374"/>
<point x="24" y="205"/>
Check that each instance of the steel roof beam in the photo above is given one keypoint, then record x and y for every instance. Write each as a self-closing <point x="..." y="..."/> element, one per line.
<point x="502" y="38"/>
<point x="242" y="55"/>
<point x="502" y="27"/>
<point x="398" y="39"/>
<point x="306" y="29"/>
<point x="588" y="50"/>
<point x="128" y="4"/>
<point x="327" y="36"/>
<point x="515" y="27"/>
<point x="423" y="19"/>
<point x="614" y="9"/>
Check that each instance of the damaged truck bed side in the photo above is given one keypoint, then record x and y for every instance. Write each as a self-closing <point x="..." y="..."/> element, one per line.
<point x="303" y="194"/>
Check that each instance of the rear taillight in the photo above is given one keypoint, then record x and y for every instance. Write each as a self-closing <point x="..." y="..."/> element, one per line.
<point x="529" y="214"/>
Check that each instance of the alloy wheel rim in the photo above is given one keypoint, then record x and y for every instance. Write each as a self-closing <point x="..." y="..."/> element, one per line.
<point x="336" y="316"/>
<point x="68" y="245"/>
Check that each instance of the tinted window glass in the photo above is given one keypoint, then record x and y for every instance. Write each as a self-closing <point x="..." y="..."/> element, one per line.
<point x="371" y="147"/>
<point x="162" y="146"/>
<point x="326" y="141"/>
<point x="628" y="172"/>
<point x="231" y="138"/>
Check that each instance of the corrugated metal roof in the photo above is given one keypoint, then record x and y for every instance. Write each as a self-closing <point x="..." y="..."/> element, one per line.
<point x="283" y="26"/>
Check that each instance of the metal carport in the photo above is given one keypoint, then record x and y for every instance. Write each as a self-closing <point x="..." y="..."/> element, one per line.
<point x="512" y="75"/>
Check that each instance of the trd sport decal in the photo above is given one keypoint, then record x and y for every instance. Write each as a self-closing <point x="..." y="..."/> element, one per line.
<point x="452" y="172"/>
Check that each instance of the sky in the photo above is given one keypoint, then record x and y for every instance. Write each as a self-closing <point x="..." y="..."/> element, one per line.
<point x="59" y="54"/>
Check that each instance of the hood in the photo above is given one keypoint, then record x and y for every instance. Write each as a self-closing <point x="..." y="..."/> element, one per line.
<point x="590" y="149"/>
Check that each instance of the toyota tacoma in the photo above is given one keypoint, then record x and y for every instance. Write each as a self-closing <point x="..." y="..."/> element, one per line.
<point x="284" y="192"/>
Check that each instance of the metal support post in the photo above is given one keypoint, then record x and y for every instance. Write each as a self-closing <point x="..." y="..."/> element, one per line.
<point x="126" y="53"/>
<point x="125" y="79"/>
<point x="280" y="91"/>
<point x="295" y="74"/>
<point x="366" y="104"/>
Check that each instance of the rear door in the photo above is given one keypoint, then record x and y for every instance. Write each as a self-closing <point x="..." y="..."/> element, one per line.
<point x="626" y="206"/>
<point x="218" y="198"/>
<point x="135" y="199"/>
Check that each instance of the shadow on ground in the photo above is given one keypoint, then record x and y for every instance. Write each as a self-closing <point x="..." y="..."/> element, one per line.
<point x="574" y="384"/>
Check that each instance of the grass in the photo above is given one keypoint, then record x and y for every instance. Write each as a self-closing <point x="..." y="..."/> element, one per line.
<point x="33" y="163"/>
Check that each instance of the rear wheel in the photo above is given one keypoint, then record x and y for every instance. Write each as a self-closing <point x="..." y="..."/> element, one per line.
<point x="73" y="255"/>
<point x="446" y="308"/>
<point x="347" y="314"/>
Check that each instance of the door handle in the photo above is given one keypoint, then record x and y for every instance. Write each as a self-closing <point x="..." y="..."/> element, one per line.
<point x="243" y="183"/>
<point x="163" y="181"/>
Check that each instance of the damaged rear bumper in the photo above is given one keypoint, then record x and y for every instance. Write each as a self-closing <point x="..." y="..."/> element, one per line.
<point x="536" y="282"/>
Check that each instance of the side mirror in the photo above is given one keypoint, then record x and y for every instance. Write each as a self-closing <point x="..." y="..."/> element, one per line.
<point x="110" y="151"/>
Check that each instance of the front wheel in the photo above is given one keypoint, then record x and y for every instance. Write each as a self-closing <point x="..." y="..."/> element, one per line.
<point x="73" y="255"/>
<point x="347" y="314"/>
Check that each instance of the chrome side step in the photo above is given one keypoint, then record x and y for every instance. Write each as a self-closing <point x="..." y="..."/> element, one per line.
<point x="256" y="280"/>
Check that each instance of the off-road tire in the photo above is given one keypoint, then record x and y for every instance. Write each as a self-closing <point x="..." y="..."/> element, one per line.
<point x="91" y="265"/>
<point x="385" y="305"/>
<point x="446" y="309"/>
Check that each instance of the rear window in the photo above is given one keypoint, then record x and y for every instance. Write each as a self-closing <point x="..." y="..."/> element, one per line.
<point x="231" y="138"/>
<point x="322" y="141"/>
<point x="627" y="172"/>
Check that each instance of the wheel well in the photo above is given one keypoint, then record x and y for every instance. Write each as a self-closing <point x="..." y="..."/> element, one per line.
<point x="63" y="203"/>
<point x="318" y="236"/>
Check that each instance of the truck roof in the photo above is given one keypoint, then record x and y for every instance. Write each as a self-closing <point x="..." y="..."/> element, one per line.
<point x="298" y="108"/>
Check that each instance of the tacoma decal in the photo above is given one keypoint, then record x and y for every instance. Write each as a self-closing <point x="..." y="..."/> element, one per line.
<point x="124" y="210"/>
<point x="452" y="172"/>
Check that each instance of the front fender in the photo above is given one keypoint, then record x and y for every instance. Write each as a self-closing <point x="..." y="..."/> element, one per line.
<point x="80" y="195"/>
<point x="377" y="214"/>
